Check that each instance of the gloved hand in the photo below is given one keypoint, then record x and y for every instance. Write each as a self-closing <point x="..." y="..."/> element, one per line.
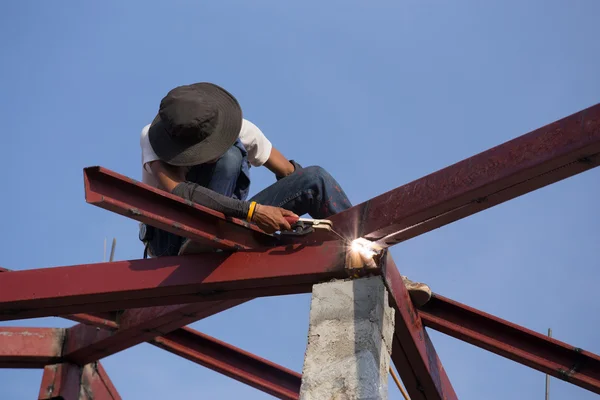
<point x="296" y="168"/>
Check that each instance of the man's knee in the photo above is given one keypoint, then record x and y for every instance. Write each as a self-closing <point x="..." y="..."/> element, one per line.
<point x="315" y="174"/>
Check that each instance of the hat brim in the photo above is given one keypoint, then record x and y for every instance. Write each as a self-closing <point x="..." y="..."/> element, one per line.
<point x="227" y="130"/>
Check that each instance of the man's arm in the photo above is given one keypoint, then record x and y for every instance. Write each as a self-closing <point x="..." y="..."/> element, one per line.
<point x="278" y="164"/>
<point x="171" y="179"/>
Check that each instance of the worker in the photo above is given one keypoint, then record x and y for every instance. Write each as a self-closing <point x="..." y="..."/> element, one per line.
<point x="199" y="147"/>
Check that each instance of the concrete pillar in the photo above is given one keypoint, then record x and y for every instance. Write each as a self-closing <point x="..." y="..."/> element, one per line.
<point x="349" y="341"/>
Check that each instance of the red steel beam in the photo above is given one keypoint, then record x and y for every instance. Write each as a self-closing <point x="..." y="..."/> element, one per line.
<point x="60" y="381"/>
<point x="413" y="353"/>
<point x="71" y="382"/>
<point x="96" y="384"/>
<point x="548" y="355"/>
<point x="85" y="343"/>
<point x="242" y="366"/>
<point x="41" y="348"/>
<point x="219" y="356"/>
<point x="30" y="347"/>
<point x="125" y="196"/>
<point x="168" y="280"/>
<point x="546" y="155"/>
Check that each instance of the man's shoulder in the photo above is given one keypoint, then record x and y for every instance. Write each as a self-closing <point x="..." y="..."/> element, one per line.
<point x="144" y="133"/>
<point x="250" y="131"/>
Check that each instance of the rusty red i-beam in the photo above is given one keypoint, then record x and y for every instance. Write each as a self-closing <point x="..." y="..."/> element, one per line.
<point x="154" y="299"/>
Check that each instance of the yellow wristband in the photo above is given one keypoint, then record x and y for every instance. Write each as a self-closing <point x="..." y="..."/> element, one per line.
<point x="251" y="211"/>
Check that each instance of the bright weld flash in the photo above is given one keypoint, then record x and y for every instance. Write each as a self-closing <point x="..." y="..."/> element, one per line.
<point x="365" y="249"/>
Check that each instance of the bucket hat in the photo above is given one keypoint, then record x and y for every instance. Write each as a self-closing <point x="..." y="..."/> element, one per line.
<point x="195" y="124"/>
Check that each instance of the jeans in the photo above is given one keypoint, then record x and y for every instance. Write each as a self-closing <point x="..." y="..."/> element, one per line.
<point x="310" y="190"/>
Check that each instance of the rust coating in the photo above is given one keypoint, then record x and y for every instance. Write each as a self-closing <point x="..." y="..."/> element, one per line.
<point x="240" y="365"/>
<point x="413" y="353"/>
<point x="514" y="342"/>
<point x="30" y="347"/>
<point x="544" y="156"/>
<point x="168" y="280"/>
<point x="125" y="196"/>
<point x="60" y="381"/>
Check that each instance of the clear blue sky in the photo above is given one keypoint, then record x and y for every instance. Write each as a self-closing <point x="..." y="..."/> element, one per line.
<point x="379" y="93"/>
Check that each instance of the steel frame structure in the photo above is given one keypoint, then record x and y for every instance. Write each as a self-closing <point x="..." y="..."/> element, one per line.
<point x="153" y="299"/>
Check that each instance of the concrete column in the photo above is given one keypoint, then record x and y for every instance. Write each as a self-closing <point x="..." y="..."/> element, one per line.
<point x="349" y="341"/>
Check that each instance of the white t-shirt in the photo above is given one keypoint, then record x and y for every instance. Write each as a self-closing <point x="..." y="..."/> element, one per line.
<point x="255" y="142"/>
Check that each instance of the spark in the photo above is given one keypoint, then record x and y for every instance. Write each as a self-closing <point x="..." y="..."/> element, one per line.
<point x="366" y="249"/>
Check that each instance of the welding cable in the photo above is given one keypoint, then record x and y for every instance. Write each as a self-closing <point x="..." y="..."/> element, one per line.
<point x="404" y="394"/>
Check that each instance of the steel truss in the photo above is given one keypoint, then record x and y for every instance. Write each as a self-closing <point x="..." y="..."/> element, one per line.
<point x="154" y="299"/>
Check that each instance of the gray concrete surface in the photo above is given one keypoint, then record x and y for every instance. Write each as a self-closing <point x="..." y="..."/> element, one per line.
<point x="349" y="341"/>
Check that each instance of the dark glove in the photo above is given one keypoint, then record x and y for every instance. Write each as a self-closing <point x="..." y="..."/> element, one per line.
<point x="296" y="168"/>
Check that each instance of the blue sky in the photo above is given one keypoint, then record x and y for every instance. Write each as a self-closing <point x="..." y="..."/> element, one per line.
<point x="379" y="93"/>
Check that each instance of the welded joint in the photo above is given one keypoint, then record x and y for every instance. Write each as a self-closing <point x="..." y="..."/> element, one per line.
<point x="575" y="368"/>
<point x="357" y="267"/>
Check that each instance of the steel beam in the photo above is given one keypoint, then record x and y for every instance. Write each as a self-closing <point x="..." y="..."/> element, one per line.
<point x="71" y="382"/>
<point x="125" y="196"/>
<point x="413" y="353"/>
<point x="242" y="366"/>
<point x="85" y="343"/>
<point x="168" y="280"/>
<point x="30" y="347"/>
<point x="529" y="162"/>
<point x="214" y="354"/>
<point x="60" y="381"/>
<point x="548" y="355"/>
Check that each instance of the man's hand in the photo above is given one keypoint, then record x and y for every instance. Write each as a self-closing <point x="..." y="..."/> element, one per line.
<point x="271" y="219"/>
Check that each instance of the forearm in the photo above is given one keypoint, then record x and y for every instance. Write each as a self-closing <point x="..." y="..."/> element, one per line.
<point x="278" y="164"/>
<point x="213" y="200"/>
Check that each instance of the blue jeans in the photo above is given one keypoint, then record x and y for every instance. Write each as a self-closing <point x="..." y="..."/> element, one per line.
<point x="310" y="190"/>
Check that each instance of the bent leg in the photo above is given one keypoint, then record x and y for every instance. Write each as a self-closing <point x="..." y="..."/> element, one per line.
<point x="314" y="191"/>
<point x="222" y="177"/>
<point x="310" y="190"/>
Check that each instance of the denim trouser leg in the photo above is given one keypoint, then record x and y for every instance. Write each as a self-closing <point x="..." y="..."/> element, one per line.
<point x="310" y="190"/>
<point x="222" y="177"/>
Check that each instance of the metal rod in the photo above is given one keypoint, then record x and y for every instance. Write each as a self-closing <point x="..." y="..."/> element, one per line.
<point x="404" y="394"/>
<point x="112" y="249"/>
<point x="548" y="376"/>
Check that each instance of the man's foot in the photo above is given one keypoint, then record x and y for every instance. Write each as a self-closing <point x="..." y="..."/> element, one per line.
<point x="419" y="292"/>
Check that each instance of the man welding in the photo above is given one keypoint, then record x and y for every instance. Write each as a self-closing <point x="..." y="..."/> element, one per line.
<point x="200" y="148"/>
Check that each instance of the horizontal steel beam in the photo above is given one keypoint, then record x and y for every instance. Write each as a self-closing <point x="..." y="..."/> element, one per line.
<point x="535" y="350"/>
<point x="125" y="196"/>
<point x="168" y="280"/>
<point x="71" y="382"/>
<point x="30" y="347"/>
<point x="413" y="353"/>
<point x="242" y="366"/>
<point x="544" y="156"/>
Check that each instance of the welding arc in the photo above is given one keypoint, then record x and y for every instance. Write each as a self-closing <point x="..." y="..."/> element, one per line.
<point x="340" y="236"/>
